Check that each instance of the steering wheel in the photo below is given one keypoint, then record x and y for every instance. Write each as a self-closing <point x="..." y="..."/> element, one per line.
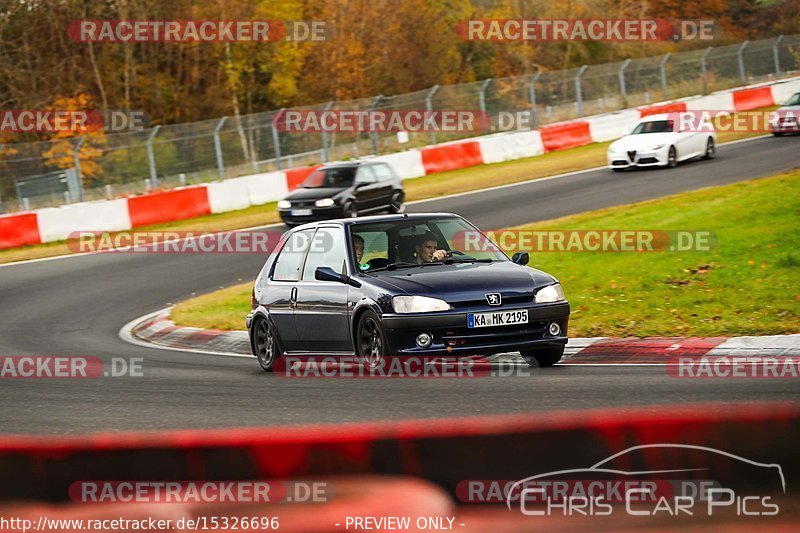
<point x="451" y="253"/>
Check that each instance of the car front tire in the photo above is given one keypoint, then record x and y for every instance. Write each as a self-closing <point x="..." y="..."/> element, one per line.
<point x="672" y="157"/>
<point x="543" y="357"/>
<point x="350" y="210"/>
<point x="371" y="345"/>
<point x="265" y="344"/>
<point x="711" y="149"/>
<point x="398" y="203"/>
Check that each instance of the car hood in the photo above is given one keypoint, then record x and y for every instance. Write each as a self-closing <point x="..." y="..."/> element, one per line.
<point x="317" y="193"/>
<point x="644" y="141"/>
<point x="465" y="282"/>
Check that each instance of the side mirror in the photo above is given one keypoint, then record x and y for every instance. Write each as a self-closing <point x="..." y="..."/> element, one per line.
<point x="328" y="274"/>
<point x="521" y="258"/>
<point x="324" y="273"/>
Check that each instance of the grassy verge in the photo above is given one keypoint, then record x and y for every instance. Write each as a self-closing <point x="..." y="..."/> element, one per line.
<point x="746" y="285"/>
<point x="439" y="184"/>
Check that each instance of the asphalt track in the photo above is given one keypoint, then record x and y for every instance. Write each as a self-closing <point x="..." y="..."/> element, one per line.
<point x="76" y="306"/>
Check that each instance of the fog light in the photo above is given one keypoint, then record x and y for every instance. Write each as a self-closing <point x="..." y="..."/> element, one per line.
<point x="424" y="340"/>
<point x="554" y="329"/>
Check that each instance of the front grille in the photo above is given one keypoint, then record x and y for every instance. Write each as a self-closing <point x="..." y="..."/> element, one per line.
<point x="619" y="162"/>
<point x="646" y="160"/>
<point x="632" y="155"/>
<point x="506" y="300"/>
<point x="478" y="337"/>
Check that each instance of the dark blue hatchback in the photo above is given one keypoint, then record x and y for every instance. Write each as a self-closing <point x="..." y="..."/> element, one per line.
<point x="421" y="284"/>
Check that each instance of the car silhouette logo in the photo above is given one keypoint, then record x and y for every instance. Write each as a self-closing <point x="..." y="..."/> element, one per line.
<point x="494" y="298"/>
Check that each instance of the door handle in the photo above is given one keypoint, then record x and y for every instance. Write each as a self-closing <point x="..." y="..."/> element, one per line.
<point x="293" y="297"/>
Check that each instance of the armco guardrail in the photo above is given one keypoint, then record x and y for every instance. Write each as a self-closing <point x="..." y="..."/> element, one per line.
<point x="174" y="155"/>
<point x="53" y="224"/>
<point x="445" y="452"/>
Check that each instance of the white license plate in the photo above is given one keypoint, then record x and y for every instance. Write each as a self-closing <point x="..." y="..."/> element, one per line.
<point x="499" y="318"/>
<point x="301" y="212"/>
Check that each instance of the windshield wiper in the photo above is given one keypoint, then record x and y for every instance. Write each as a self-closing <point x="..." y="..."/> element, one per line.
<point x="468" y="260"/>
<point x="394" y="266"/>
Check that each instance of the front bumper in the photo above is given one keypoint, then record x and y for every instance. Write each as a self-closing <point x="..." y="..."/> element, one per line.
<point x="452" y="336"/>
<point x="317" y="214"/>
<point x="633" y="158"/>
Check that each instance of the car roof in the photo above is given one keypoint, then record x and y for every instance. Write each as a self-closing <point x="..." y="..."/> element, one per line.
<point x="353" y="163"/>
<point x="660" y="116"/>
<point x="376" y="218"/>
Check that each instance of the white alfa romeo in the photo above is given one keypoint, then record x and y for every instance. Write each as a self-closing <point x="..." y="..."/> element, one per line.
<point x="657" y="141"/>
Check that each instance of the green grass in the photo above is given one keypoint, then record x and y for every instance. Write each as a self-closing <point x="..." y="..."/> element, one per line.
<point x="746" y="285"/>
<point x="434" y="185"/>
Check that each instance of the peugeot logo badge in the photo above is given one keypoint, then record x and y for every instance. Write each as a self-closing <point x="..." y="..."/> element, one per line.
<point x="493" y="298"/>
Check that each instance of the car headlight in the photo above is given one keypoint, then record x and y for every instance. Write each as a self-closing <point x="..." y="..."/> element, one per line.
<point x="284" y="204"/>
<point x="551" y="293"/>
<point x="326" y="202"/>
<point x="657" y="147"/>
<point x="418" y="304"/>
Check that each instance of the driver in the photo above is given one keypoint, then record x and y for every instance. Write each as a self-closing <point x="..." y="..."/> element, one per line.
<point x="426" y="248"/>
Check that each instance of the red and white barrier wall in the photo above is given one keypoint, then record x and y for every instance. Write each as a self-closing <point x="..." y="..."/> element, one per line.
<point x="54" y="224"/>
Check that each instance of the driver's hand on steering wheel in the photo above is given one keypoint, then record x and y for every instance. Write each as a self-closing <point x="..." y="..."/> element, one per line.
<point x="439" y="255"/>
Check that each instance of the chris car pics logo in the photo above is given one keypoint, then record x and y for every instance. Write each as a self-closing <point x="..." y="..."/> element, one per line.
<point x="675" y="480"/>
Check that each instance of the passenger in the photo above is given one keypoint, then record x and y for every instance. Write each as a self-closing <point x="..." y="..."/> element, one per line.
<point x="358" y="248"/>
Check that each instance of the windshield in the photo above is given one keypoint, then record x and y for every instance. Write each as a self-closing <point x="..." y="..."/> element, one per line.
<point x="794" y="100"/>
<point x="330" y="177"/>
<point x="653" y="126"/>
<point x="420" y="242"/>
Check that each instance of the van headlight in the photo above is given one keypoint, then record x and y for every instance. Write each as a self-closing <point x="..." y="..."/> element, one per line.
<point x="325" y="202"/>
<point x="284" y="204"/>
<point x="418" y="304"/>
<point x="549" y="294"/>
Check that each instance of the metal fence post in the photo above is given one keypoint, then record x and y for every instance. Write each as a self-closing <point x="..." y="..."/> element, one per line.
<point x="487" y="124"/>
<point x="77" y="161"/>
<point x="622" y="89"/>
<point x="578" y="92"/>
<point x="740" y="57"/>
<point x="429" y="108"/>
<point x="218" y="148"/>
<point x="276" y="137"/>
<point x="532" y="96"/>
<point x="152" y="158"/>
<point x="703" y="69"/>
<point x="663" y="67"/>
<point x="776" y="56"/>
<point x="374" y="134"/>
<point x="325" y="134"/>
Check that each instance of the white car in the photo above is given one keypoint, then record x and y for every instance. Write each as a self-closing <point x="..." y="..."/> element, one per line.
<point x="787" y="119"/>
<point x="656" y="141"/>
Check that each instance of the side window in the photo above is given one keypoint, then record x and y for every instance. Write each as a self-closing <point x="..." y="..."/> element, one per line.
<point x="290" y="260"/>
<point x="375" y="247"/>
<point x="383" y="172"/>
<point x="327" y="249"/>
<point x="365" y="175"/>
